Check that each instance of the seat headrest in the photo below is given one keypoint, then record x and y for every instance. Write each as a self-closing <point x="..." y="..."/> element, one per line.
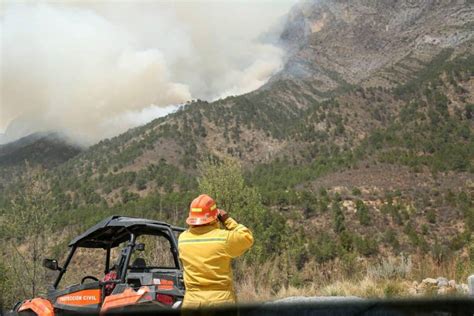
<point x="139" y="263"/>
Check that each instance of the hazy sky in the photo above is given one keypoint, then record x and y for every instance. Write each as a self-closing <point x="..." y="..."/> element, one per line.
<point x="93" y="69"/>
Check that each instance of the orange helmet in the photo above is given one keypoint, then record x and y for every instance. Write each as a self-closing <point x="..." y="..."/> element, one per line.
<point x="203" y="210"/>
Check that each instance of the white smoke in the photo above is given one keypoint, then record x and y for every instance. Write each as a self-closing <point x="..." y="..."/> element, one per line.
<point x="95" y="69"/>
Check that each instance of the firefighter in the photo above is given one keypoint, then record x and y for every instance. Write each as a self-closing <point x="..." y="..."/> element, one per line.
<point x="206" y="252"/>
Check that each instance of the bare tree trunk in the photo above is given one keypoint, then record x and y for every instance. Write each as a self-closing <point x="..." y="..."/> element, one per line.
<point x="161" y="207"/>
<point x="33" y="285"/>
<point x="175" y="214"/>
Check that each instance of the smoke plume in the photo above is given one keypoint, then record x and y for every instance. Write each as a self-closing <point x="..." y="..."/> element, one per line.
<point x="95" y="69"/>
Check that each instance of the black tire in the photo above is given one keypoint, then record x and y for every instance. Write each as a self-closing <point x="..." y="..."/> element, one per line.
<point x="28" y="312"/>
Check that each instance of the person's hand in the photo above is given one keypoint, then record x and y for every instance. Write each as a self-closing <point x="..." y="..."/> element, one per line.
<point x="222" y="216"/>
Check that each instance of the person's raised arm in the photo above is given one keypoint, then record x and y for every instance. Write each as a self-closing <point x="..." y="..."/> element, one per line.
<point x="240" y="238"/>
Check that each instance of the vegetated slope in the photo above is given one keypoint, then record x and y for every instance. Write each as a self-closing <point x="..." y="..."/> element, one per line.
<point x="351" y="44"/>
<point x="289" y="119"/>
<point x="362" y="143"/>
<point x="46" y="149"/>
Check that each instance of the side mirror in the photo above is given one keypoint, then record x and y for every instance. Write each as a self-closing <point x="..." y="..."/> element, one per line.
<point x="51" y="264"/>
<point x="140" y="247"/>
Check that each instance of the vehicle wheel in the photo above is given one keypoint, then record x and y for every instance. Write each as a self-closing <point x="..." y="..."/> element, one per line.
<point x="28" y="312"/>
<point x="22" y="313"/>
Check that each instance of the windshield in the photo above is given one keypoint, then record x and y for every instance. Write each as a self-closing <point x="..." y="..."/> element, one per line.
<point x="157" y="253"/>
<point x="85" y="262"/>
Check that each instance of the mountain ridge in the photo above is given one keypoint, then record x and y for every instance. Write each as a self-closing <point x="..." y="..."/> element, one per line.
<point x="288" y="94"/>
<point x="359" y="154"/>
<point x="297" y="131"/>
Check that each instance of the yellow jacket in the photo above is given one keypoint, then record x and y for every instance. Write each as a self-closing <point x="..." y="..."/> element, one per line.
<point x="206" y="253"/>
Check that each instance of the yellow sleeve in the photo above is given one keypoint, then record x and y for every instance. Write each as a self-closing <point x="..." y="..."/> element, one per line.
<point x="239" y="238"/>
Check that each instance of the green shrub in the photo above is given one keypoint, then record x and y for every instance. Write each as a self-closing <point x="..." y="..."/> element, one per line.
<point x="362" y="213"/>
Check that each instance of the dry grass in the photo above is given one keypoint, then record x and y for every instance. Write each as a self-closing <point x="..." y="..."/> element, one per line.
<point x="458" y="268"/>
<point x="388" y="277"/>
<point x="367" y="287"/>
<point x="258" y="284"/>
<point x="391" y="268"/>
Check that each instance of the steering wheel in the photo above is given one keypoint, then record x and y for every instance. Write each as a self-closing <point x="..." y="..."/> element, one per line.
<point x="89" y="277"/>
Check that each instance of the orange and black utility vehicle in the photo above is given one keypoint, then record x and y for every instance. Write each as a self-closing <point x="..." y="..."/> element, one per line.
<point x="146" y="270"/>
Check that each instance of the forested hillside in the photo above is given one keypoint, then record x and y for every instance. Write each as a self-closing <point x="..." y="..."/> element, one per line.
<point x="45" y="149"/>
<point x="360" y="149"/>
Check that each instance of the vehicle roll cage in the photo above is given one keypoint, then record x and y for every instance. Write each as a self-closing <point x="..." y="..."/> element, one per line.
<point x="131" y="228"/>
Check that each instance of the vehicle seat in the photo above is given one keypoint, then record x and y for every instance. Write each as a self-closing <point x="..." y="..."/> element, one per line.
<point x="138" y="264"/>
